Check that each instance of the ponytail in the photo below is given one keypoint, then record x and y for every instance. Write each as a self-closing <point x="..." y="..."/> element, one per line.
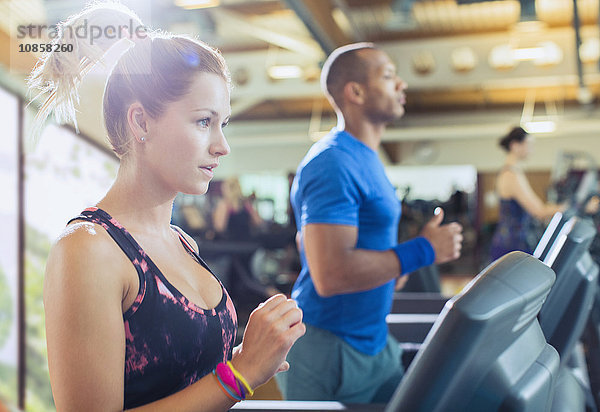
<point x="59" y="74"/>
<point x="158" y="70"/>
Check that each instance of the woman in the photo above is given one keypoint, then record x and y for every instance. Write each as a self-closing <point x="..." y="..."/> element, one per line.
<point x="234" y="216"/>
<point x="518" y="202"/>
<point x="134" y="317"/>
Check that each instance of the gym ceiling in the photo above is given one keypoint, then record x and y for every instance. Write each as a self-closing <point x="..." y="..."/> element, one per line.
<point x="470" y="65"/>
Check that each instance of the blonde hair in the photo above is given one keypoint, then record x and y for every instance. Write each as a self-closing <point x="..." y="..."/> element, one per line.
<point x="60" y="73"/>
<point x="157" y="70"/>
<point x="232" y="188"/>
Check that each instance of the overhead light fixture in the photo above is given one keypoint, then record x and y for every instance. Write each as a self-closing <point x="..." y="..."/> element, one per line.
<point x="463" y="59"/>
<point x="279" y="72"/>
<point x="541" y="126"/>
<point x="196" y="4"/>
<point x="528" y="53"/>
<point x="501" y="57"/>
<point x="544" y="54"/>
<point x="423" y="62"/>
<point x="538" y="124"/>
<point x="589" y="51"/>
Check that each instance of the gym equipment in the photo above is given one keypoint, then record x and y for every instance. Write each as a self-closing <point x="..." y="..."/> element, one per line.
<point x="486" y="350"/>
<point x="566" y="310"/>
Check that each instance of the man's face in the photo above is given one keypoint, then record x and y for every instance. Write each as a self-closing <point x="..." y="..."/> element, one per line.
<point x="385" y="96"/>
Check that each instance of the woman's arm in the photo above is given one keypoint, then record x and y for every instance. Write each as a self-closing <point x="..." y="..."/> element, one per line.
<point x="516" y="186"/>
<point x="84" y="289"/>
<point x="254" y="216"/>
<point x="84" y="297"/>
<point x="220" y="216"/>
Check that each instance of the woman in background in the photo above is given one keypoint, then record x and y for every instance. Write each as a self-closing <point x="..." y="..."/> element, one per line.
<point x="234" y="217"/>
<point x="519" y="204"/>
<point x="134" y="317"/>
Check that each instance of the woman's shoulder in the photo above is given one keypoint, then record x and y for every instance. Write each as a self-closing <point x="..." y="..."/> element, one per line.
<point x="507" y="179"/>
<point x="510" y="170"/>
<point x="82" y="234"/>
<point x="84" y="249"/>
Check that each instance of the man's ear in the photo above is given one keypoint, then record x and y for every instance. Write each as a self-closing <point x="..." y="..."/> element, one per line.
<point x="354" y="92"/>
<point x="137" y="120"/>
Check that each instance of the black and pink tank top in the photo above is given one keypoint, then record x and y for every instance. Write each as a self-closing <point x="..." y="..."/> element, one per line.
<point x="170" y="342"/>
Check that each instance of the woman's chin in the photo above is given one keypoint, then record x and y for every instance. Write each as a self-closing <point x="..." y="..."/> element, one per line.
<point x="198" y="190"/>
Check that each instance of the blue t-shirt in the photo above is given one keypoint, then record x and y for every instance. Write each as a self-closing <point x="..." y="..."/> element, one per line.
<point x="342" y="181"/>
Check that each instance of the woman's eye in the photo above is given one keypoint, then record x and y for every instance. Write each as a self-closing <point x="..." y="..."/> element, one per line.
<point x="203" y="122"/>
<point x="224" y="125"/>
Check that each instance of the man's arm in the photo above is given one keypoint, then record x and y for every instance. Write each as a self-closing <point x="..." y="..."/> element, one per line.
<point x="337" y="266"/>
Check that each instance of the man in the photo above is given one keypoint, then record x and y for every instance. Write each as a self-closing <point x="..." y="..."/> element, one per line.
<point x="347" y="215"/>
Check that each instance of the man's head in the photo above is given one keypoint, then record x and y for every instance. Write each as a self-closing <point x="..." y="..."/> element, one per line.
<point x="360" y="75"/>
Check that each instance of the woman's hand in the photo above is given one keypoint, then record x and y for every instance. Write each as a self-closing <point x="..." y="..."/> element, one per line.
<point x="272" y="329"/>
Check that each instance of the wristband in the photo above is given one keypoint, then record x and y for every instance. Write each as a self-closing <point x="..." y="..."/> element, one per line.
<point x="414" y="254"/>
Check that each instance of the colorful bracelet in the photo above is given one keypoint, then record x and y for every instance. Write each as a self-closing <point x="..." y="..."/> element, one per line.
<point x="226" y="375"/>
<point x="241" y="379"/>
<point x="226" y="390"/>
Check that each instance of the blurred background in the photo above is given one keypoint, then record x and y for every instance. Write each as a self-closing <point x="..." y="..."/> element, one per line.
<point x="474" y="69"/>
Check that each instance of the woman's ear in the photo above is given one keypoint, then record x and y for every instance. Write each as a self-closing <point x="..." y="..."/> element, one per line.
<point x="137" y="120"/>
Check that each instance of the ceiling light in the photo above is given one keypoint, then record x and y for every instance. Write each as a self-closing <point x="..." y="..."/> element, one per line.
<point x="502" y="57"/>
<point x="528" y="53"/>
<point x="551" y="54"/>
<point x="463" y="59"/>
<point x="538" y="123"/>
<point x="547" y="53"/>
<point x="196" y="4"/>
<point x="541" y="126"/>
<point x="589" y="51"/>
<point x="284" y="72"/>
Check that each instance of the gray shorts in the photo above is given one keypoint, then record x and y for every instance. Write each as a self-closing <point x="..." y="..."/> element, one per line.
<point x="325" y="367"/>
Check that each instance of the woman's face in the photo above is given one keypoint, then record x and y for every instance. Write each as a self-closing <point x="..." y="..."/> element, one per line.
<point x="524" y="148"/>
<point x="185" y="143"/>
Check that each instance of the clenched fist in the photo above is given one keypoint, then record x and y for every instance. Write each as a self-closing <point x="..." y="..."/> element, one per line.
<point x="272" y="329"/>
<point x="446" y="240"/>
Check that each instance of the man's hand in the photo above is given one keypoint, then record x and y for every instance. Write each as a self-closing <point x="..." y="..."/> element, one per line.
<point x="446" y="240"/>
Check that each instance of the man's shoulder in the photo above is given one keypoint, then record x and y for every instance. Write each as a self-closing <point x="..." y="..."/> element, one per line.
<point x="327" y="155"/>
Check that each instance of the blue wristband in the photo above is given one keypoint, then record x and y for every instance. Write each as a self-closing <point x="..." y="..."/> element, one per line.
<point x="414" y="254"/>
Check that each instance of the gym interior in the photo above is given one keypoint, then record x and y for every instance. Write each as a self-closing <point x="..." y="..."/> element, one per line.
<point x="473" y="68"/>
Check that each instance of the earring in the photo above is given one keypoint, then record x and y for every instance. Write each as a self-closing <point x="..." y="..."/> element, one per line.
<point x="143" y="139"/>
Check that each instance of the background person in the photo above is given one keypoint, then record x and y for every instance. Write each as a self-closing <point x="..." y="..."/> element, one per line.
<point x="347" y="214"/>
<point x="234" y="217"/>
<point x="519" y="204"/>
<point x="134" y="317"/>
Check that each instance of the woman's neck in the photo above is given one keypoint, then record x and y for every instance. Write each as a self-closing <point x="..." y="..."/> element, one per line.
<point x="139" y="204"/>
<point x="512" y="161"/>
